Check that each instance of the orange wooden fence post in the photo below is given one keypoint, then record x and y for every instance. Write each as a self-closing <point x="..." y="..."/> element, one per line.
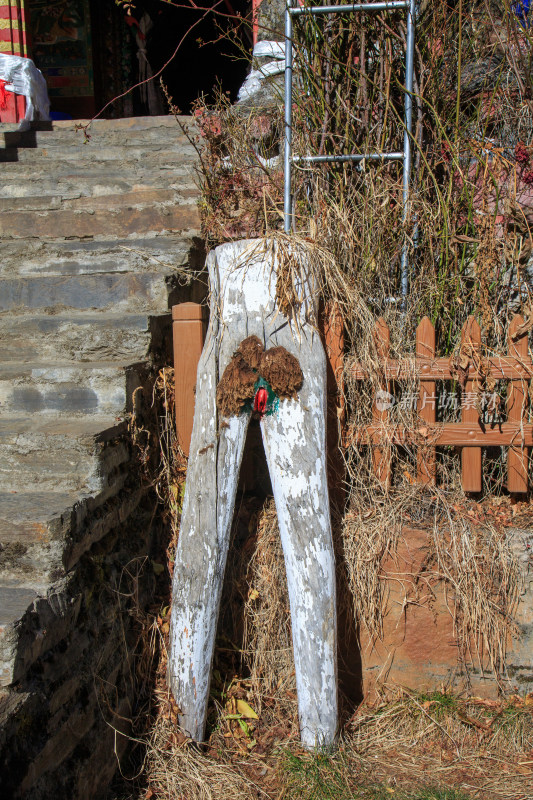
<point x="382" y="456"/>
<point x="332" y="331"/>
<point x="517" y="460"/>
<point x="188" y="336"/>
<point x="471" y="474"/>
<point x="427" y="402"/>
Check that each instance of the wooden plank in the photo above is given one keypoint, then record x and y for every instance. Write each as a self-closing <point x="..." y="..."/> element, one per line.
<point x="457" y="434"/>
<point x="188" y="337"/>
<point x="517" y="460"/>
<point x="381" y="457"/>
<point x="471" y="475"/>
<point x="331" y="326"/>
<point x="498" y="367"/>
<point x="427" y="402"/>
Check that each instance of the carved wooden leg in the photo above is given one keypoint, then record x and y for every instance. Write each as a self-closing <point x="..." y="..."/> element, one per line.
<point x="294" y="440"/>
<point x="212" y="476"/>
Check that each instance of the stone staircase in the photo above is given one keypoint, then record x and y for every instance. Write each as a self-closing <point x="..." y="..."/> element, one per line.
<point x="94" y="234"/>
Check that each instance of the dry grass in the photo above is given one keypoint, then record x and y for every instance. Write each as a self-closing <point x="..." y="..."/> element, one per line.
<point x="483" y="746"/>
<point x="470" y="558"/>
<point x="399" y="748"/>
<point x="267" y="626"/>
<point x="181" y="772"/>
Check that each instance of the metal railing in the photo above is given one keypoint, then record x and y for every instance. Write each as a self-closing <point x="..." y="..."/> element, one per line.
<point x="405" y="156"/>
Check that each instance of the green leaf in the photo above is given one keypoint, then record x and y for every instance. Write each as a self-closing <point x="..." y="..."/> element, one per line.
<point x="246" y="710"/>
<point x="244" y="727"/>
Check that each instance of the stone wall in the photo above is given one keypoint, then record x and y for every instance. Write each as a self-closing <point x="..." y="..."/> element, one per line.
<point x="64" y="720"/>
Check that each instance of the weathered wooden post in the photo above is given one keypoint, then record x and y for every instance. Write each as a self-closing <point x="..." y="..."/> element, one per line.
<point x="188" y="336"/>
<point x="426" y="457"/>
<point x="471" y="473"/>
<point x="381" y="456"/>
<point x="243" y="289"/>
<point x="517" y="460"/>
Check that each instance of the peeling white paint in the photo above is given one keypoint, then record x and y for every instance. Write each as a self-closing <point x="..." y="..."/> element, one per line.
<point x="242" y="303"/>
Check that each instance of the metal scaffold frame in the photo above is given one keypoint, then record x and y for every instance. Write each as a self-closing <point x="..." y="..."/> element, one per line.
<point x="405" y="156"/>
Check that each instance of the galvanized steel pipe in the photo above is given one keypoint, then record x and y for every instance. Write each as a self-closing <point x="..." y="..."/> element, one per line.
<point x="350" y="8"/>
<point x="287" y="199"/>
<point x="407" y="136"/>
<point x="349" y="157"/>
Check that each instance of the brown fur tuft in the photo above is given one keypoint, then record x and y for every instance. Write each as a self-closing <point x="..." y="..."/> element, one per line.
<point x="236" y="386"/>
<point x="251" y="349"/>
<point x="282" y="370"/>
<point x="249" y="361"/>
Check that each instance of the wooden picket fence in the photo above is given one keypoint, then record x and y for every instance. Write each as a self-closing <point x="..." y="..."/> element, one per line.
<point x="471" y="434"/>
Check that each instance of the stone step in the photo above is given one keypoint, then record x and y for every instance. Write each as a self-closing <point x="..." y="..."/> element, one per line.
<point x="81" y="336"/>
<point x="157" y="252"/>
<point x="44" y="533"/>
<point x="70" y="184"/>
<point x="149" y="196"/>
<point x="99" y="152"/>
<point x="35" y="615"/>
<point x="71" y="136"/>
<point x="122" y="292"/>
<point x="68" y="138"/>
<point x="124" y="124"/>
<point x="67" y="455"/>
<point x="87" y="388"/>
<point x="16" y="603"/>
<point x="23" y="162"/>
<point x="33" y="528"/>
<point x="129" y="220"/>
<point x="133" y="161"/>
<point x="87" y="169"/>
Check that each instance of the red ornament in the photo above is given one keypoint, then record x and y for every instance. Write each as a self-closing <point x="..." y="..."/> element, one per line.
<point x="260" y="401"/>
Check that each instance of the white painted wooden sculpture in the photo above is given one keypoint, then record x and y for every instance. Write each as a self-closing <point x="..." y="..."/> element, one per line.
<point x="243" y="287"/>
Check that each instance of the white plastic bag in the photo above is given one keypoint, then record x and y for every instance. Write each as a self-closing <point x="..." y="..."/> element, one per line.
<point x="23" y="77"/>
